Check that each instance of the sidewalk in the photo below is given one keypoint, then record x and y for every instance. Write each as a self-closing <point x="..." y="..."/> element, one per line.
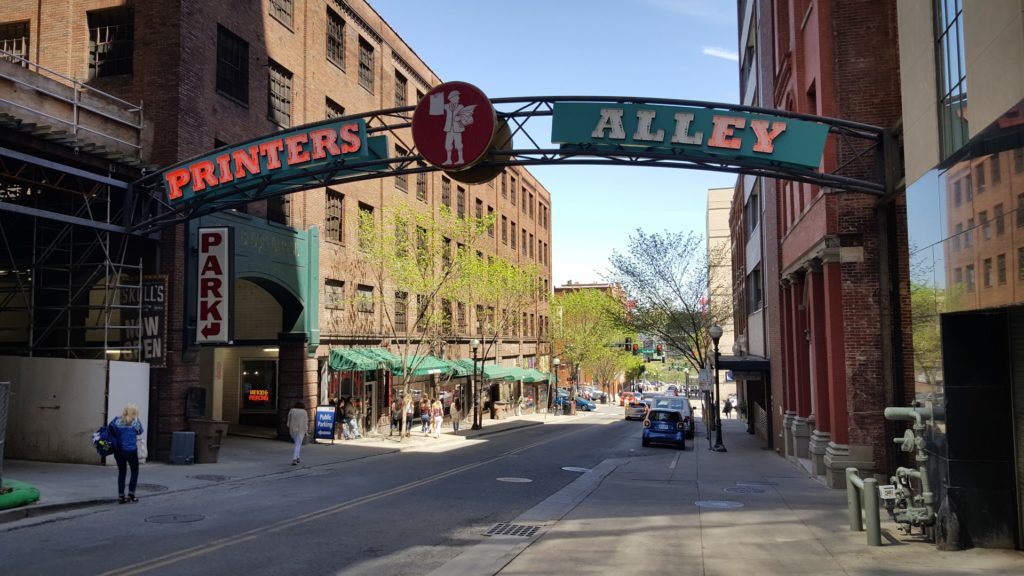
<point x="65" y="487"/>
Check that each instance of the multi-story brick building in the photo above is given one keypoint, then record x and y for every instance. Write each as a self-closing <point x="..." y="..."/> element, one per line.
<point x="824" y="255"/>
<point x="212" y="74"/>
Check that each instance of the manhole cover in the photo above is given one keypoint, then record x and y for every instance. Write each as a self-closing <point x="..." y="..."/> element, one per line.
<point x="506" y="529"/>
<point x="211" y="477"/>
<point x="175" y="518"/>
<point x="720" y="504"/>
<point x="745" y="490"/>
<point x="150" y="488"/>
<point x="575" y="469"/>
<point x="757" y="483"/>
<point x="514" y="480"/>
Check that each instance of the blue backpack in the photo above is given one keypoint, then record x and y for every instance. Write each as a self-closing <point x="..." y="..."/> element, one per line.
<point x="105" y="440"/>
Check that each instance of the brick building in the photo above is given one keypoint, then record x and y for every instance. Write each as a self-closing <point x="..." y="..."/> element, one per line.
<point x="211" y="74"/>
<point x="819" y="298"/>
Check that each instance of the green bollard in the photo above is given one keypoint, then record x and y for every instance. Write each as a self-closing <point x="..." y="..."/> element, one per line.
<point x="853" y="500"/>
<point x="874" y="520"/>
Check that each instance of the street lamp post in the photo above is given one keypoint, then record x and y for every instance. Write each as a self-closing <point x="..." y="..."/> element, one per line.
<point x="475" y="344"/>
<point x="716" y="332"/>
<point x="553" y="393"/>
<point x="575" y="388"/>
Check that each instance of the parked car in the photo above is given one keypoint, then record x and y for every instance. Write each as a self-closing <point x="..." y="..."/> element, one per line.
<point x="680" y="404"/>
<point x="581" y="403"/>
<point x="662" y="426"/>
<point x="672" y="390"/>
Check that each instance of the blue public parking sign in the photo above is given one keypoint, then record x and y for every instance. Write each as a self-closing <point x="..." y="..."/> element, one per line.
<point x="324" y="423"/>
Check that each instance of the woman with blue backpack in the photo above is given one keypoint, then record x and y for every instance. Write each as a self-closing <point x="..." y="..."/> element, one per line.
<point x="127" y="429"/>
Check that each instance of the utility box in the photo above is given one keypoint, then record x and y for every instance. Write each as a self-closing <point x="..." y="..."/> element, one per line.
<point x="183" y="445"/>
<point x="209" y="434"/>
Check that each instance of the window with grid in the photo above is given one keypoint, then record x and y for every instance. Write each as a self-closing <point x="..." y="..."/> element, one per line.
<point x="422" y="306"/>
<point x="364" y="298"/>
<point x="969" y="277"/>
<point x="957" y="196"/>
<point x="512" y="191"/>
<point x="232" y="65"/>
<point x="997" y="211"/>
<point x="1001" y="269"/>
<point x="1018" y="160"/>
<point x="446" y="252"/>
<point x="952" y="75"/>
<point x="531" y="207"/>
<point x="480" y="319"/>
<point x="504" y="185"/>
<point x="401" y="180"/>
<point x="279" y="96"/>
<point x="1020" y="210"/>
<point x="986" y="273"/>
<point x="755" y="294"/>
<point x="479" y="208"/>
<point x="335" y="38"/>
<point x="968" y="187"/>
<point x="969" y="234"/>
<point x="401" y="89"/>
<point x="460" y="316"/>
<point x="366" y="65"/>
<point x="111" y="42"/>
<point x="334" y="294"/>
<point x="979" y="177"/>
<point x="333" y="222"/>
<point x="1020" y="263"/>
<point x="460" y="200"/>
<point x="422" y="244"/>
<point x="401" y="312"/>
<point x="524" y="201"/>
<point x="957" y="230"/>
<point x="421" y="184"/>
<point x="282" y="10"/>
<point x="958" y="275"/>
<point x="531" y="245"/>
<point x="512" y="235"/>
<point x="504" y="229"/>
<point x="523" y="244"/>
<point x="334" y="110"/>
<point x="446" y="315"/>
<point x="986" y="227"/>
<point x="446" y="192"/>
<point x="365" y="213"/>
<point x="14" y="38"/>
<point x="997" y="170"/>
<point x="490" y="225"/>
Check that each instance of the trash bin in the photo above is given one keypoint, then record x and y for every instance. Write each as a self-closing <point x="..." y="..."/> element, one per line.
<point x="209" y="434"/>
<point x="566" y="408"/>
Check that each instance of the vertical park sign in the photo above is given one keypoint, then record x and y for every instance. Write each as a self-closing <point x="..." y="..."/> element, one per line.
<point x="215" y="282"/>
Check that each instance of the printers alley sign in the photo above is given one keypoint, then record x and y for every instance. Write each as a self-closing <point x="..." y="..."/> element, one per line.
<point x="690" y="131"/>
<point x="280" y="155"/>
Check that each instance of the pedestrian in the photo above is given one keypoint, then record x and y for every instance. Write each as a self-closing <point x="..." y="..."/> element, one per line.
<point x="298" y="425"/>
<point x="519" y="405"/>
<point x="396" y="417"/>
<point x="352" y="419"/>
<point x="339" y="419"/>
<point x="127" y="428"/>
<point x="456" y="414"/>
<point x="436" y="417"/>
<point x="407" y="408"/>
<point x="425" y="415"/>
<point x="727" y="409"/>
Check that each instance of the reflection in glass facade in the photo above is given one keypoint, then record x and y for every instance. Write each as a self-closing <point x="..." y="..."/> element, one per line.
<point x="966" y="226"/>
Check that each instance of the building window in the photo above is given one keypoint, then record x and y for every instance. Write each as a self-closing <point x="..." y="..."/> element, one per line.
<point x="512" y="191"/>
<point x="333" y="223"/>
<point x="460" y="316"/>
<point x="986" y="227"/>
<point x="334" y="294"/>
<point x="479" y="208"/>
<point x="531" y="207"/>
<point x="957" y="200"/>
<point x="952" y="75"/>
<point x="401" y="180"/>
<point x="480" y="319"/>
<point x="1020" y="263"/>
<point x="970" y="277"/>
<point x="460" y="199"/>
<point x="335" y="38"/>
<point x="401" y="88"/>
<point x="401" y="312"/>
<point x="490" y="222"/>
<point x="1018" y="160"/>
<point x="1000" y="223"/>
<point x="364" y="299"/>
<point x="421" y="184"/>
<point x="979" y="176"/>
<point x="14" y="39"/>
<point x="279" y="208"/>
<point x="504" y="229"/>
<point x="957" y="231"/>
<point x="281" y="10"/>
<point x="997" y="170"/>
<point x="969" y="234"/>
<point x="504" y="185"/>
<point x="512" y="234"/>
<point x="366" y="65"/>
<point x="446" y="192"/>
<point x="987" y="273"/>
<point x="111" y="42"/>
<point x="755" y="293"/>
<point x="422" y="306"/>
<point x="279" y="97"/>
<point x="968" y="187"/>
<point x="334" y="110"/>
<point x="446" y="253"/>
<point x="232" y="65"/>
<point x="531" y="245"/>
<point x="958" y="276"/>
<point x="752" y="211"/>
<point x="365" y="215"/>
<point x="523" y="243"/>
<point x="1001" y="269"/>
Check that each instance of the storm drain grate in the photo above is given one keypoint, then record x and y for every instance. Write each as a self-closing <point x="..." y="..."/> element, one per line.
<point x="506" y="529"/>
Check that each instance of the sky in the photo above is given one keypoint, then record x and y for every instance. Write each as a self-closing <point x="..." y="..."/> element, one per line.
<point x="681" y="49"/>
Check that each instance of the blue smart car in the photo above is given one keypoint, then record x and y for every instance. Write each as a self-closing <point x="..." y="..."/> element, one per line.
<point x="663" y="426"/>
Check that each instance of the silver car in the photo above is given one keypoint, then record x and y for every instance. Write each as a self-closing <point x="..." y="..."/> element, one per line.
<point x="680" y="404"/>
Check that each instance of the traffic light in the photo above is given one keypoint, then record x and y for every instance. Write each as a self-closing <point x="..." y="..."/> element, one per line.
<point x="636" y="349"/>
<point x="659" y="349"/>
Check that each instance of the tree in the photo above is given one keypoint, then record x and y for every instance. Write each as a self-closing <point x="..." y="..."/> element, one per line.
<point x="585" y="324"/>
<point x="408" y="254"/>
<point x="667" y="280"/>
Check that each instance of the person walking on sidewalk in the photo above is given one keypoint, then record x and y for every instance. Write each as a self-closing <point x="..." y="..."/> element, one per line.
<point x="298" y="424"/>
<point x="425" y="415"/>
<point x="127" y="428"/>
<point x="352" y="420"/>
<point x="456" y="413"/>
<point x="727" y="409"/>
<point x="436" y="417"/>
<point x="407" y="409"/>
<point x="396" y="417"/>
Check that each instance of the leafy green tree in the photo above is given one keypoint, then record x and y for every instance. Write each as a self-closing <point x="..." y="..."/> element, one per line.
<point x="671" y="295"/>
<point x="585" y="324"/>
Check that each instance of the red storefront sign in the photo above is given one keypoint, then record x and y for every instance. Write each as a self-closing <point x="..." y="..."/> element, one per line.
<point x="453" y="126"/>
<point x="214" y="296"/>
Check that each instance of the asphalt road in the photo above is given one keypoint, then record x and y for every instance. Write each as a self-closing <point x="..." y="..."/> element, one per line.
<point x="400" y="513"/>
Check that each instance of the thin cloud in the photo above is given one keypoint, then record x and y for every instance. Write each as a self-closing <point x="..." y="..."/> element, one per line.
<point x="721" y="53"/>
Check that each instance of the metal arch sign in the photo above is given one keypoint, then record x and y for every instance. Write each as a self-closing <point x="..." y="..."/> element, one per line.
<point x="281" y="156"/>
<point x="690" y="131"/>
<point x="453" y="126"/>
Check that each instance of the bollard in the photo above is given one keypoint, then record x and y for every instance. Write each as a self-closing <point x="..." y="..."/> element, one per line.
<point x="874" y="519"/>
<point x="853" y="483"/>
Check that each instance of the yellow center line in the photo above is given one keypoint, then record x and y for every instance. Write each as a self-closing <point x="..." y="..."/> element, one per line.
<point x="220" y="543"/>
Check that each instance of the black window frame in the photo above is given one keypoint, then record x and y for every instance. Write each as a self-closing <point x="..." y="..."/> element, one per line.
<point x="111" y="42"/>
<point x="335" y="49"/>
<point x="232" y="78"/>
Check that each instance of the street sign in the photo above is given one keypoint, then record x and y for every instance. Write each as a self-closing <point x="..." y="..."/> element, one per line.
<point x="453" y="125"/>
<point x="214" y="286"/>
<point x="324" y="429"/>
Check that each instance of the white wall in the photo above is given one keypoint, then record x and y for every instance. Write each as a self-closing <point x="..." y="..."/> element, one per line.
<point x="56" y="404"/>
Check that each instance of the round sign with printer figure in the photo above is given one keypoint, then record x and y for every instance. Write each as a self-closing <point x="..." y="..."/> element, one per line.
<point x="453" y="125"/>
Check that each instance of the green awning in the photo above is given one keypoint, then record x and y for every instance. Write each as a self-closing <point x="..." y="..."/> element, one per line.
<point x="360" y="359"/>
<point x="464" y="367"/>
<point x="534" y="375"/>
<point x="423" y="366"/>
